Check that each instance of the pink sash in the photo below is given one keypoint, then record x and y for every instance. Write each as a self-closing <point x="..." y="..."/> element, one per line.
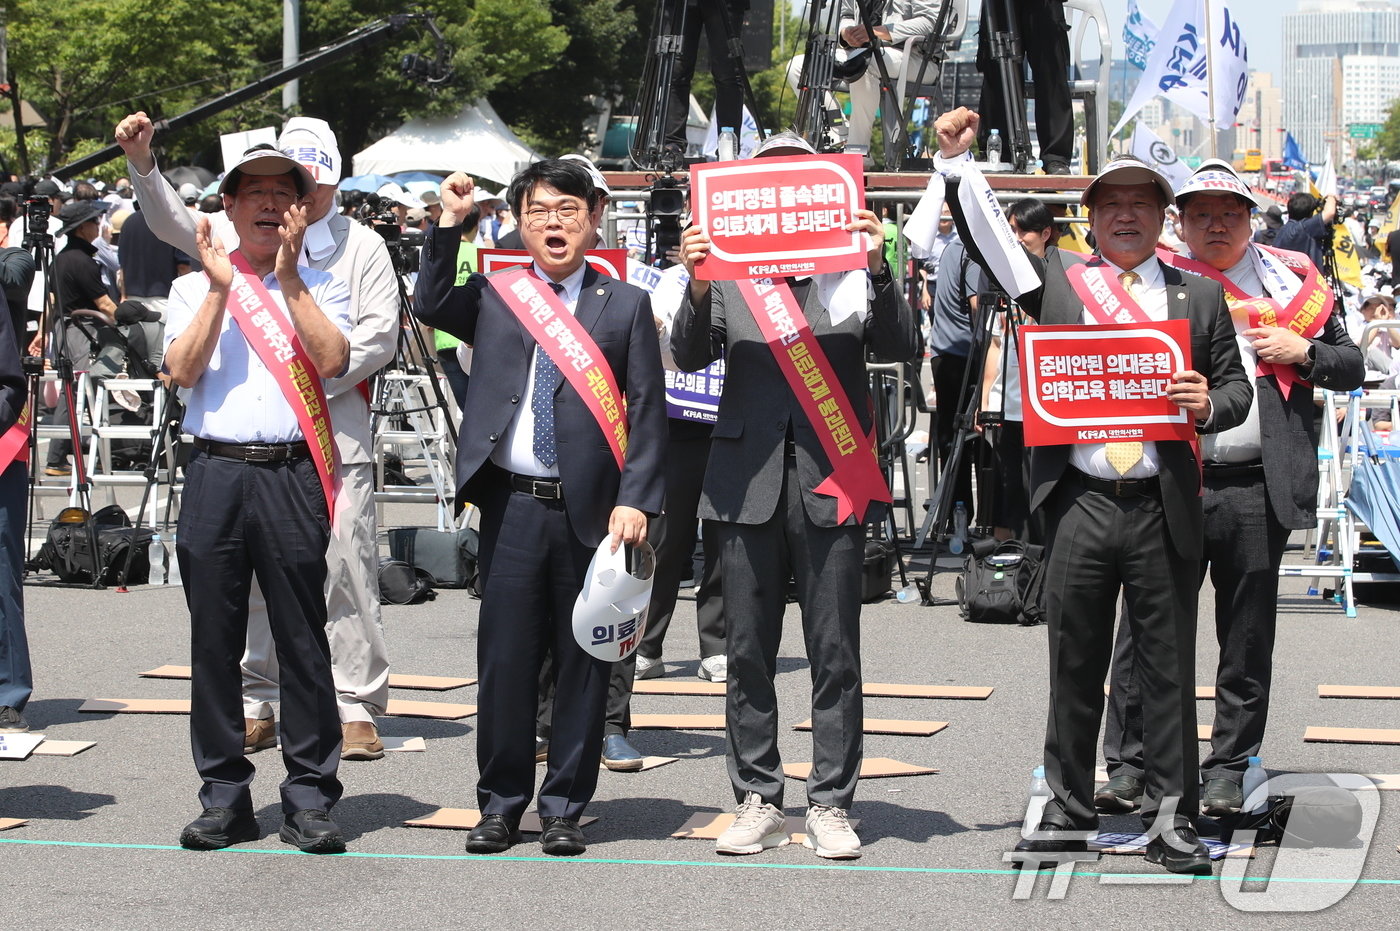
<point x="260" y="321"/>
<point x="855" y="478"/>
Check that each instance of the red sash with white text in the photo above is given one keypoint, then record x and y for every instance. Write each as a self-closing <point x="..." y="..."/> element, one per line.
<point x="855" y="480"/>
<point x="260" y="321"/>
<point x="1305" y="314"/>
<point x="570" y="347"/>
<point x="14" y="445"/>
<point x="1104" y="295"/>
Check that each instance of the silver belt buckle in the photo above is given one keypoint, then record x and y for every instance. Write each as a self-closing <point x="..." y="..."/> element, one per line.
<point x="258" y="453"/>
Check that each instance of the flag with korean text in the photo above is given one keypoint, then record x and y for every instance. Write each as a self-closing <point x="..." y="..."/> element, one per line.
<point x="1139" y="35"/>
<point x="1199" y="62"/>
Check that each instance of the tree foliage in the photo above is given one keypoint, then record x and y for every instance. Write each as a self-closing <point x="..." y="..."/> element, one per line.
<point x="1387" y="144"/>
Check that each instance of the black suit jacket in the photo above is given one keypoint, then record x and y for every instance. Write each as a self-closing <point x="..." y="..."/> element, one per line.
<point x="618" y="317"/>
<point x="1288" y="428"/>
<point x="1213" y="354"/>
<point x="745" y="474"/>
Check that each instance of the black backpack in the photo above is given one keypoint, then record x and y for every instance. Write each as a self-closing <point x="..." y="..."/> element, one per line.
<point x="1000" y="583"/>
<point x="401" y="584"/>
<point x="67" y="549"/>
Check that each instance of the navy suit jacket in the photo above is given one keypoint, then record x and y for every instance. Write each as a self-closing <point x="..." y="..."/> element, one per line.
<point x="618" y="317"/>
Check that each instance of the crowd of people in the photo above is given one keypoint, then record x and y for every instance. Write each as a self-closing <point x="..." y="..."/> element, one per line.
<point x="296" y="306"/>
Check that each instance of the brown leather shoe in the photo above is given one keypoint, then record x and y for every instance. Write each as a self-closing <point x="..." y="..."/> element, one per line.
<point x="360" y="741"/>
<point x="259" y="734"/>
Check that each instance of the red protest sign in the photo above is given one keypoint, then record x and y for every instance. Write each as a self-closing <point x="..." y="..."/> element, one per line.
<point x="610" y="262"/>
<point x="772" y="217"/>
<point x="1103" y="383"/>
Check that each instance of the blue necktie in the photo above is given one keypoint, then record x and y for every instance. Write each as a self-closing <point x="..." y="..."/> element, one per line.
<point x="542" y="403"/>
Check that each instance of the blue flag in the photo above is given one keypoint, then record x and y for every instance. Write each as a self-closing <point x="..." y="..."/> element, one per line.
<point x="1292" y="155"/>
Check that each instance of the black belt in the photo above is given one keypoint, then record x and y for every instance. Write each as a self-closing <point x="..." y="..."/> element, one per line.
<point x="255" y="452"/>
<point x="1229" y="470"/>
<point x="1119" y="488"/>
<point x="548" y="488"/>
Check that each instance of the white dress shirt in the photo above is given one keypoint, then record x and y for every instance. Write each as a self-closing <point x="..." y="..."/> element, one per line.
<point x="516" y="450"/>
<point x="237" y="399"/>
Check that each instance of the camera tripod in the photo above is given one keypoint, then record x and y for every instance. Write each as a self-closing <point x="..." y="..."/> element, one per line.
<point x="39" y="241"/>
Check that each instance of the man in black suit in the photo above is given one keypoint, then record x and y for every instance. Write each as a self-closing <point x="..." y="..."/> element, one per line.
<point x="1258" y="488"/>
<point x="1124" y="518"/>
<point x="766" y="460"/>
<point x="534" y="458"/>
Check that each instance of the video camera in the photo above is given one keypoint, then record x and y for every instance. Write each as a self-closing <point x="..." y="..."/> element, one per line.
<point x="665" y="211"/>
<point x="37" y="211"/>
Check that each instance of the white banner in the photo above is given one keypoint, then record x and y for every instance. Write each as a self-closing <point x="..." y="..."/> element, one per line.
<point x="1149" y="147"/>
<point x="1200" y="42"/>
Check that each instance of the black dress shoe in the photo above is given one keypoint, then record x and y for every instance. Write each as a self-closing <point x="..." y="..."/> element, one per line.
<point x="1048" y="841"/>
<point x="1222" y="797"/>
<point x="217" y="828"/>
<point x="311" y="830"/>
<point x="1121" y="794"/>
<point x="562" y="837"/>
<point x="493" y="834"/>
<point x="1179" y="850"/>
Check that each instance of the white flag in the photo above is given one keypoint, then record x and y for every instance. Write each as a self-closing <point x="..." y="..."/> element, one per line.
<point x="1327" y="178"/>
<point x="1149" y="147"/>
<point x="1183" y="61"/>
<point x="1139" y="35"/>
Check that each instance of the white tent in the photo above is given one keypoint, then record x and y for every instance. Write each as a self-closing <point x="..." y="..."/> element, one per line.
<point x="476" y="141"/>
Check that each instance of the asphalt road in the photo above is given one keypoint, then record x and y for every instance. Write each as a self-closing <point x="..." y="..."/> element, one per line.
<point x="99" y="849"/>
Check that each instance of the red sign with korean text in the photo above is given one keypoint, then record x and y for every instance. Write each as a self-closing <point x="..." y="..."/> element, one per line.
<point x="1103" y="383"/>
<point x="776" y="217"/>
<point x="610" y="262"/>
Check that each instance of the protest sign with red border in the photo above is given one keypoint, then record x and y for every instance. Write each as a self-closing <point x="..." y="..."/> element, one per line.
<point x="772" y="217"/>
<point x="610" y="262"/>
<point x="1103" y="383"/>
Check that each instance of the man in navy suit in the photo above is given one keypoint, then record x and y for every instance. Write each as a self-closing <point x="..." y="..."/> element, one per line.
<point x="537" y="462"/>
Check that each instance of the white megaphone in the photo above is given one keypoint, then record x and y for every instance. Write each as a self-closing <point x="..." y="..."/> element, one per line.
<point x="610" y="614"/>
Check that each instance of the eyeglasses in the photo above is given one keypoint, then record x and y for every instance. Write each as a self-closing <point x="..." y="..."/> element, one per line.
<point x="539" y="216"/>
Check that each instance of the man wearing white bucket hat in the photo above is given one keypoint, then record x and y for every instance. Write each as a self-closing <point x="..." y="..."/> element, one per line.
<point x="1257" y="488"/>
<point x="353" y="253"/>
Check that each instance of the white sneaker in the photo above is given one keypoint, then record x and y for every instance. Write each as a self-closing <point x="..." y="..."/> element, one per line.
<point x="649" y="668"/>
<point x="714" y="668"/>
<point x="757" y="826"/>
<point x="830" y="834"/>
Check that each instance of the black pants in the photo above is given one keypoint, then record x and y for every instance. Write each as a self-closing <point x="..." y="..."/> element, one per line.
<point x="825" y="563"/>
<point x="532" y="569"/>
<point x="1098" y="547"/>
<point x="706" y="15"/>
<point x="1045" y="38"/>
<point x="948" y="381"/>
<point x="673" y="536"/>
<point x="1244" y="544"/>
<point x="265" y="519"/>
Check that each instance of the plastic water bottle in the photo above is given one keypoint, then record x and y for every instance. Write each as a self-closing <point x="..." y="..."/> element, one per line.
<point x="174" y="563"/>
<point x="908" y="595"/>
<point x="958" y="542"/>
<point x="1254" y="777"/>
<point x="155" y="555"/>
<point x="994" y="149"/>
<point x="728" y="144"/>
<point x="1035" y="807"/>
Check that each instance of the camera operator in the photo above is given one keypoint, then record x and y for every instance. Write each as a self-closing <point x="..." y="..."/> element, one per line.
<point x="1306" y="226"/>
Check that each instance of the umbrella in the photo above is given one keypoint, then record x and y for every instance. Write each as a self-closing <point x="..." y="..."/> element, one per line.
<point x="367" y="183"/>
<point x="409" y="178"/>
<point x="1375" y="492"/>
<point x="188" y="174"/>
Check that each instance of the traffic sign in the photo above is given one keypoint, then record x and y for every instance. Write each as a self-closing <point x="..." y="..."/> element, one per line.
<point x="1363" y="130"/>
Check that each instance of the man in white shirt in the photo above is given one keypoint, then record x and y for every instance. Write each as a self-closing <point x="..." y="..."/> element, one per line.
<point x="258" y="497"/>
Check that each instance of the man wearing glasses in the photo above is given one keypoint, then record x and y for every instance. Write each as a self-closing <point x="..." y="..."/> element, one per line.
<point x="554" y="470"/>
